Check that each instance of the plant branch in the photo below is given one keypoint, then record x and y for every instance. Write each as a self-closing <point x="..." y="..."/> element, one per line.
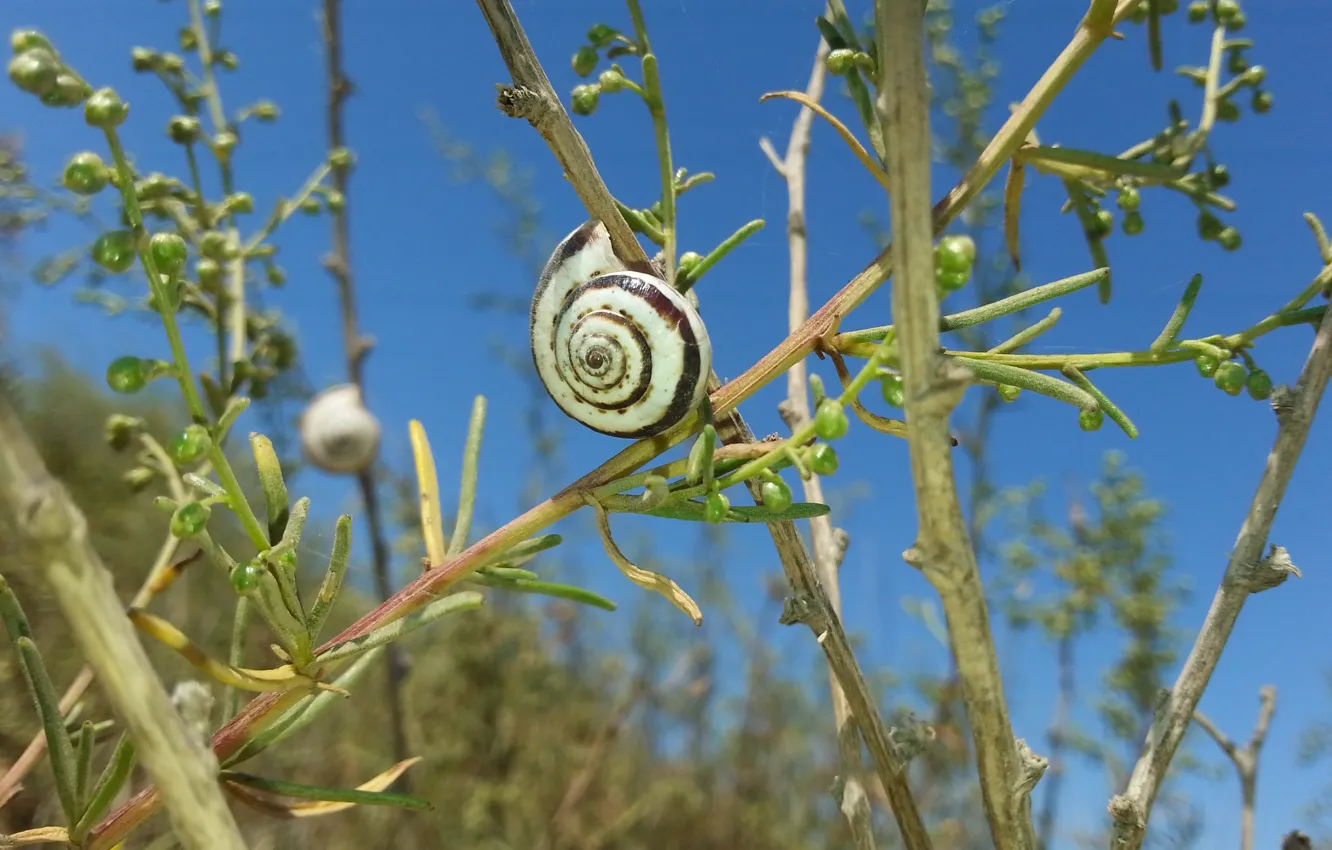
<point x="357" y="347"/>
<point x="1247" y="571"/>
<point x="1245" y="758"/>
<point x="56" y="534"/>
<point x="829" y="544"/>
<point x="934" y="386"/>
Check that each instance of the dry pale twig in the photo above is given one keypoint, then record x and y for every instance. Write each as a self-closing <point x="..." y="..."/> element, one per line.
<point x="1247" y="572"/>
<point x="934" y="387"/>
<point x="56" y="535"/>
<point x="356" y="346"/>
<point x="829" y="544"/>
<point x="1245" y="758"/>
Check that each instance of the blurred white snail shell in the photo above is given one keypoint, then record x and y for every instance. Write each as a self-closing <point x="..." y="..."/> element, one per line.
<point x="338" y="434"/>
<point x="620" y="351"/>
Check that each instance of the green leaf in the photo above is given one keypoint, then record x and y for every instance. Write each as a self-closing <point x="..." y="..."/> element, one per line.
<point x="323" y="794"/>
<point x="275" y="488"/>
<point x="464" y="601"/>
<point x="544" y="588"/>
<point x="113" y="777"/>
<point x="693" y="511"/>
<point x="337" y="568"/>
<point x="59" y="748"/>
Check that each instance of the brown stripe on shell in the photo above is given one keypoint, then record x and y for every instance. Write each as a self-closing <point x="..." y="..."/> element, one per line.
<point x="644" y="349"/>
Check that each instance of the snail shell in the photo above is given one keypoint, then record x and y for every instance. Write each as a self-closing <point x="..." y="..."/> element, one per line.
<point x="620" y="351"/>
<point x="338" y="434"/>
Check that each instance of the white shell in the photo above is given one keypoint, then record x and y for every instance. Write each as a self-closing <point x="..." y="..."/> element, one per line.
<point x="338" y="434"/>
<point x="622" y="352"/>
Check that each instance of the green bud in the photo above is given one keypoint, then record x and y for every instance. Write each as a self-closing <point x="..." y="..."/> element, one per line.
<point x="1090" y="419"/>
<point x="168" y="252"/>
<point x="275" y="275"/>
<point x="1235" y="61"/>
<point x="139" y="478"/>
<point x="187" y="40"/>
<point x="1262" y="102"/>
<point x="584" y="100"/>
<point x="1219" y="176"/>
<point x="335" y="201"/>
<point x="105" y="110"/>
<point x="34" y="70"/>
<point x="955" y="254"/>
<point x="23" y="40"/>
<point x="224" y="142"/>
<point x="183" y="129"/>
<point x="212" y="8"/>
<point x="216" y="245"/>
<point x="190" y="445"/>
<point x="1229" y="238"/>
<point x="1197" y="11"/>
<point x="1128" y="199"/>
<point x="264" y="110"/>
<point x="830" y="420"/>
<point x="226" y="59"/>
<point x="1132" y="223"/>
<point x="688" y="261"/>
<point x="1209" y="226"/>
<point x="209" y="272"/>
<point x="120" y="430"/>
<point x="585" y="61"/>
<point x="341" y="158"/>
<point x="893" y="392"/>
<point x="776" y="495"/>
<point x="840" y="61"/>
<point x="715" y="506"/>
<point x="602" y="35"/>
<point x="85" y="173"/>
<point x="1227" y="111"/>
<point x="1230" y="378"/>
<point x="126" y="375"/>
<point x="823" y="459"/>
<point x="189" y="519"/>
<point x="1255" y="75"/>
<point x="1103" y="221"/>
<point x="611" y="81"/>
<point x="1207" y="365"/>
<point x="170" y="63"/>
<point x="143" y="59"/>
<point x="114" y="251"/>
<point x="69" y="91"/>
<point x="310" y="206"/>
<point x="1008" y="392"/>
<point x="239" y="202"/>
<point x="1259" y="384"/>
<point x="1226" y="10"/>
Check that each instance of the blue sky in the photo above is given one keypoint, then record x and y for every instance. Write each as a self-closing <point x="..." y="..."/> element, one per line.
<point x="422" y="245"/>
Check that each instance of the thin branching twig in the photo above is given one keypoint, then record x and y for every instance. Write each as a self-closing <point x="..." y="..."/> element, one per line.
<point x="1245" y="758"/>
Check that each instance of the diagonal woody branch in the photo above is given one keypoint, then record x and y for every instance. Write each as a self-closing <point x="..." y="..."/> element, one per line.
<point x="1087" y="37"/>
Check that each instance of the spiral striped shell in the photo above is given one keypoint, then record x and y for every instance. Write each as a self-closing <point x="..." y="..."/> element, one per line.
<point x="622" y="352"/>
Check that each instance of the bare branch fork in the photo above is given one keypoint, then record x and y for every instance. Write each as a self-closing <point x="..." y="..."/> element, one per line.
<point x="1248" y="571"/>
<point x="829" y="543"/>
<point x="1245" y="758"/>
<point x="533" y="98"/>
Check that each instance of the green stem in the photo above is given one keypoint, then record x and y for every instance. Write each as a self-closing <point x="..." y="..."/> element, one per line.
<point x="689" y="278"/>
<point x="657" y="108"/>
<point x="467" y="496"/>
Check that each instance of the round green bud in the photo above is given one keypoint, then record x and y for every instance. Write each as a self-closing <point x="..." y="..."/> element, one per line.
<point x="114" y="251"/>
<point x="865" y="62"/>
<point x="120" y="430"/>
<point x="85" y="173"/>
<point x="170" y="63"/>
<point x="245" y="578"/>
<point x="1230" y="378"/>
<point x="239" y="202"/>
<point x="1219" y="176"/>
<point x="1227" y="111"/>
<point x="212" y="8"/>
<point x="275" y="275"/>
<point x="187" y="40"/>
<point x="840" y="61"/>
<point x="223" y="142"/>
<point x="1008" y="392"/>
<point x="1132" y="224"/>
<point x="1090" y="419"/>
<point x="227" y="60"/>
<point x="265" y="110"/>
<point x="1139" y="12"/>
<point x="335" y="201"/>
<point x="34" y="70"/>
<point x="341" y="158"/>
<point x="823" y="459"/>
<point x="126" y="375"/>
<point x="209" y="272"/>
<point x="1237" y="23"/>
<point x="689" y="261"/>
<point x="69" y="91"/>
<point x="24" y="40"/>
<point x="105" y="109"/>
<point x="1255" y="75"/>
<point x="1207" y="365"/>
<point x="715" y="506"/>
<point x="955" y="254"/>
<point x="830" y="420"/>
<point x="601" y="35"/>
<point x="1259" y="384"/>
<point x="1197" y="11"/>
<point x="143" y="59"/>
<point x="190" y="445"/>
<point x="584" y="99"/>
<point x="1226" y="10"/>
<point x="776" y="495"/>
<point x="585" y="61"/>
<point x="183" y="129"/>
<point x="1229" y="238"/>
<point x="1262" y="102"/>
<point x="611" y="81"/>
<point x="215" y="244"/>
<point x="893" y="391"/>
<point x="1235" y="61"/>
<point x="310" y="206"/>
<point x="168" y="252"/>
<point x="1128" y="199"/>
<point x="139" y="478"/>
<point x="947" y="282"/>
<point x="1102" y="223"/>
